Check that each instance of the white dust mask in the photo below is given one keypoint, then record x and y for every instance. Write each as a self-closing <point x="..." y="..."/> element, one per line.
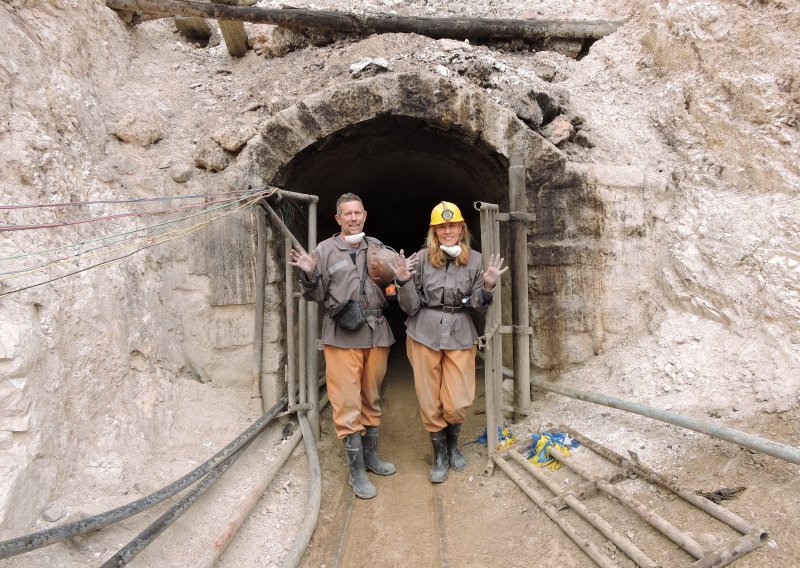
<point x="453" y="251"/>
<point x="353" y="239"/>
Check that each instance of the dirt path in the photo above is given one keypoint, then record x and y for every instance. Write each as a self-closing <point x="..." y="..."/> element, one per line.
<point x="476" y="520"/>
<point x="462" y="522"/>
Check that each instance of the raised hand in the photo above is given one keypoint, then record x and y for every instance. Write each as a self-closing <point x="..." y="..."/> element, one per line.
<point x="405" y="268"/>
<point x="493" y="271"/>
<point x="304" y="261"/>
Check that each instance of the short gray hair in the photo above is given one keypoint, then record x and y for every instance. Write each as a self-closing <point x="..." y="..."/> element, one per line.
<point x="347" y="197"/>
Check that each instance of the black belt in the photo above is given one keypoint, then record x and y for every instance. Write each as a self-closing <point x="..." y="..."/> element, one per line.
<point x="375" y="313"/>
<point x="451" y="309"/>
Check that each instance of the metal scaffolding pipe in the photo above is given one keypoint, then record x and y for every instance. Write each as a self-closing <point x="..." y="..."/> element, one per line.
<point x="620" y="540"/>
<point x="520" y="313"/>
<point x="668" y="529"/>
<point x="304" y="197"/>
<point x="302" y="340"/>
<point x="587" y="546"/>
<point x="720" y="513"/>
<point x="291" y="352"/>
<point x="774" y="449"/>
<point x="312" y="331"/>
<point x="258" y="336"/>
<point x="490" y="360"/>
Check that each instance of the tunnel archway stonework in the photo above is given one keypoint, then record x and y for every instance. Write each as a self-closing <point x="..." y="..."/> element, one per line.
<point x="592" y="226"/>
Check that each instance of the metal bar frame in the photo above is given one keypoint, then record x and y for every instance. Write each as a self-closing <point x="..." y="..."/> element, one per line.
<point x="520" y="312"/>
<point x="493" y="359"/>
<point x="750" y="539"/>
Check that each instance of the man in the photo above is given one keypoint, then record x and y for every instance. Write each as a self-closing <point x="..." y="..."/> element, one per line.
<point x="355" y="358"/>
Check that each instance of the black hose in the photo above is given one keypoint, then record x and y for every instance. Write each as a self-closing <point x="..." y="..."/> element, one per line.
<point x="148" y="535"/>
<point x="33" y="541"/>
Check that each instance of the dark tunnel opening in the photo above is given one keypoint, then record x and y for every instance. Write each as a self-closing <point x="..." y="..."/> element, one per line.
<point x="401" y="168"/>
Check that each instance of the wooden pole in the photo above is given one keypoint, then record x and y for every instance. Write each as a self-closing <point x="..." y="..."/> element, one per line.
<point x="456" y="28"/>
<point x="232" y="32"/>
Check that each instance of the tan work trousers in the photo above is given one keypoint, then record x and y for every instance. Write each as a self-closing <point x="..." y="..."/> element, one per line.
<point x="354" y="378"/>
<point x="445" y="383"/>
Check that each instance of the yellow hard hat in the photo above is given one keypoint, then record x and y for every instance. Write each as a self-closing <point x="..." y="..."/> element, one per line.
<point x="446" y="212"/>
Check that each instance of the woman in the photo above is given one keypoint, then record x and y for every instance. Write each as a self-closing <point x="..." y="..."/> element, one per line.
<point x="447" y="280"/>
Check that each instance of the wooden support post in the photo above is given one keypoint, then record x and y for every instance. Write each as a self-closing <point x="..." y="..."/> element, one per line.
<point x="233" y="32"/>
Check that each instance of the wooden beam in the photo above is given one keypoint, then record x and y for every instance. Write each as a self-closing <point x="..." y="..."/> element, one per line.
<point x="233" y="32"/>
<point x="455" y="28"/>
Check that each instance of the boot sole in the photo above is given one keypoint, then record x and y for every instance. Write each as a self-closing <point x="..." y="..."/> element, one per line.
<point x="376" y="472"/>
<point x="362" y="496"/>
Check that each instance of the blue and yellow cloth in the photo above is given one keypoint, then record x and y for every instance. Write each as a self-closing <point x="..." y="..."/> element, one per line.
<point x="539" y="454"/>
<point x="504" y="436"/>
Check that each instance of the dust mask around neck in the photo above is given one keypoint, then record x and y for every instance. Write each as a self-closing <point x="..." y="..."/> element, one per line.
<point x="353" y="240"/>
<point x="453" y="251"/>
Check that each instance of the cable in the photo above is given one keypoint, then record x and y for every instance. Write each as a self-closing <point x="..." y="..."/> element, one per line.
<point x="84" y="255"/>
<point x="45" y="251"/>
<point x="33" y="541"/>
<point x="115" y="201"/>
<point x="110" y="261"/>
<point x="95" y="219"/>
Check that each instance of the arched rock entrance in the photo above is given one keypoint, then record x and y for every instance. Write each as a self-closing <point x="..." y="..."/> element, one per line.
<point x="402" y="142"/>
<point x="405" y="141"/>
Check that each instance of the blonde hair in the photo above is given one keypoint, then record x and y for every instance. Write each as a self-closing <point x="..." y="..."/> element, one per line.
<point x="437" y="255"/>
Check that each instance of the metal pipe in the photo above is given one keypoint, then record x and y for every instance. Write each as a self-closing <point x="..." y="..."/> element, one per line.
<point x="587" y="546"/>
<point x="275" y="218"/>
<point x="258" y="335"/>
<point x="729" y="553"/>
<point x="249" y="503"/>
<point x="43" y="538"/>
<point x="489" y="359"/>
<point x="302" y="340"/>
<point x="668" y="529"/>
<point x="291" y="352"/>
<point x="720" y="513"/>
<point x="497" y="308"/>
<point x="162" y="523"/>
<point x="312" y="331"/>
<point x="520" y="313"/>
<point x="304" y="197"/>
<point x="295" y="554"/>
<point x="246" y="506"/>
<point x="621" y="542"/>
<point x="774" y="449"/>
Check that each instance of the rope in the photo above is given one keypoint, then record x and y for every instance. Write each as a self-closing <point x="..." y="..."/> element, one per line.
<point x="116" y="201"/>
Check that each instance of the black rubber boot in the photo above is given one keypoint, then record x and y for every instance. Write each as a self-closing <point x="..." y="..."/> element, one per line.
<point x="440" y="462"/>
<point x="372" y="460"/>
<point x="457" y="460"/>
<point x="357" y="479"/>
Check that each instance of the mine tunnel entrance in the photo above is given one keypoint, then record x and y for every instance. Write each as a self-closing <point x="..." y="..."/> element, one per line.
<point x="401" y="168"/>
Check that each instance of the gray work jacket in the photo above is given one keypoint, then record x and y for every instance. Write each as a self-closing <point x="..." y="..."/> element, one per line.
<point x="450" y="285"/>
<point x="336" y="279"/>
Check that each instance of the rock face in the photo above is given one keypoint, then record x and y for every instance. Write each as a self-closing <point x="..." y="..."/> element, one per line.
<point x="662" y="173"/>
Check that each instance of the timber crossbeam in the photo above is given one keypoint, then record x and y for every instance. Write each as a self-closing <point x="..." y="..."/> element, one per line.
<point x="347" y="22"/>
